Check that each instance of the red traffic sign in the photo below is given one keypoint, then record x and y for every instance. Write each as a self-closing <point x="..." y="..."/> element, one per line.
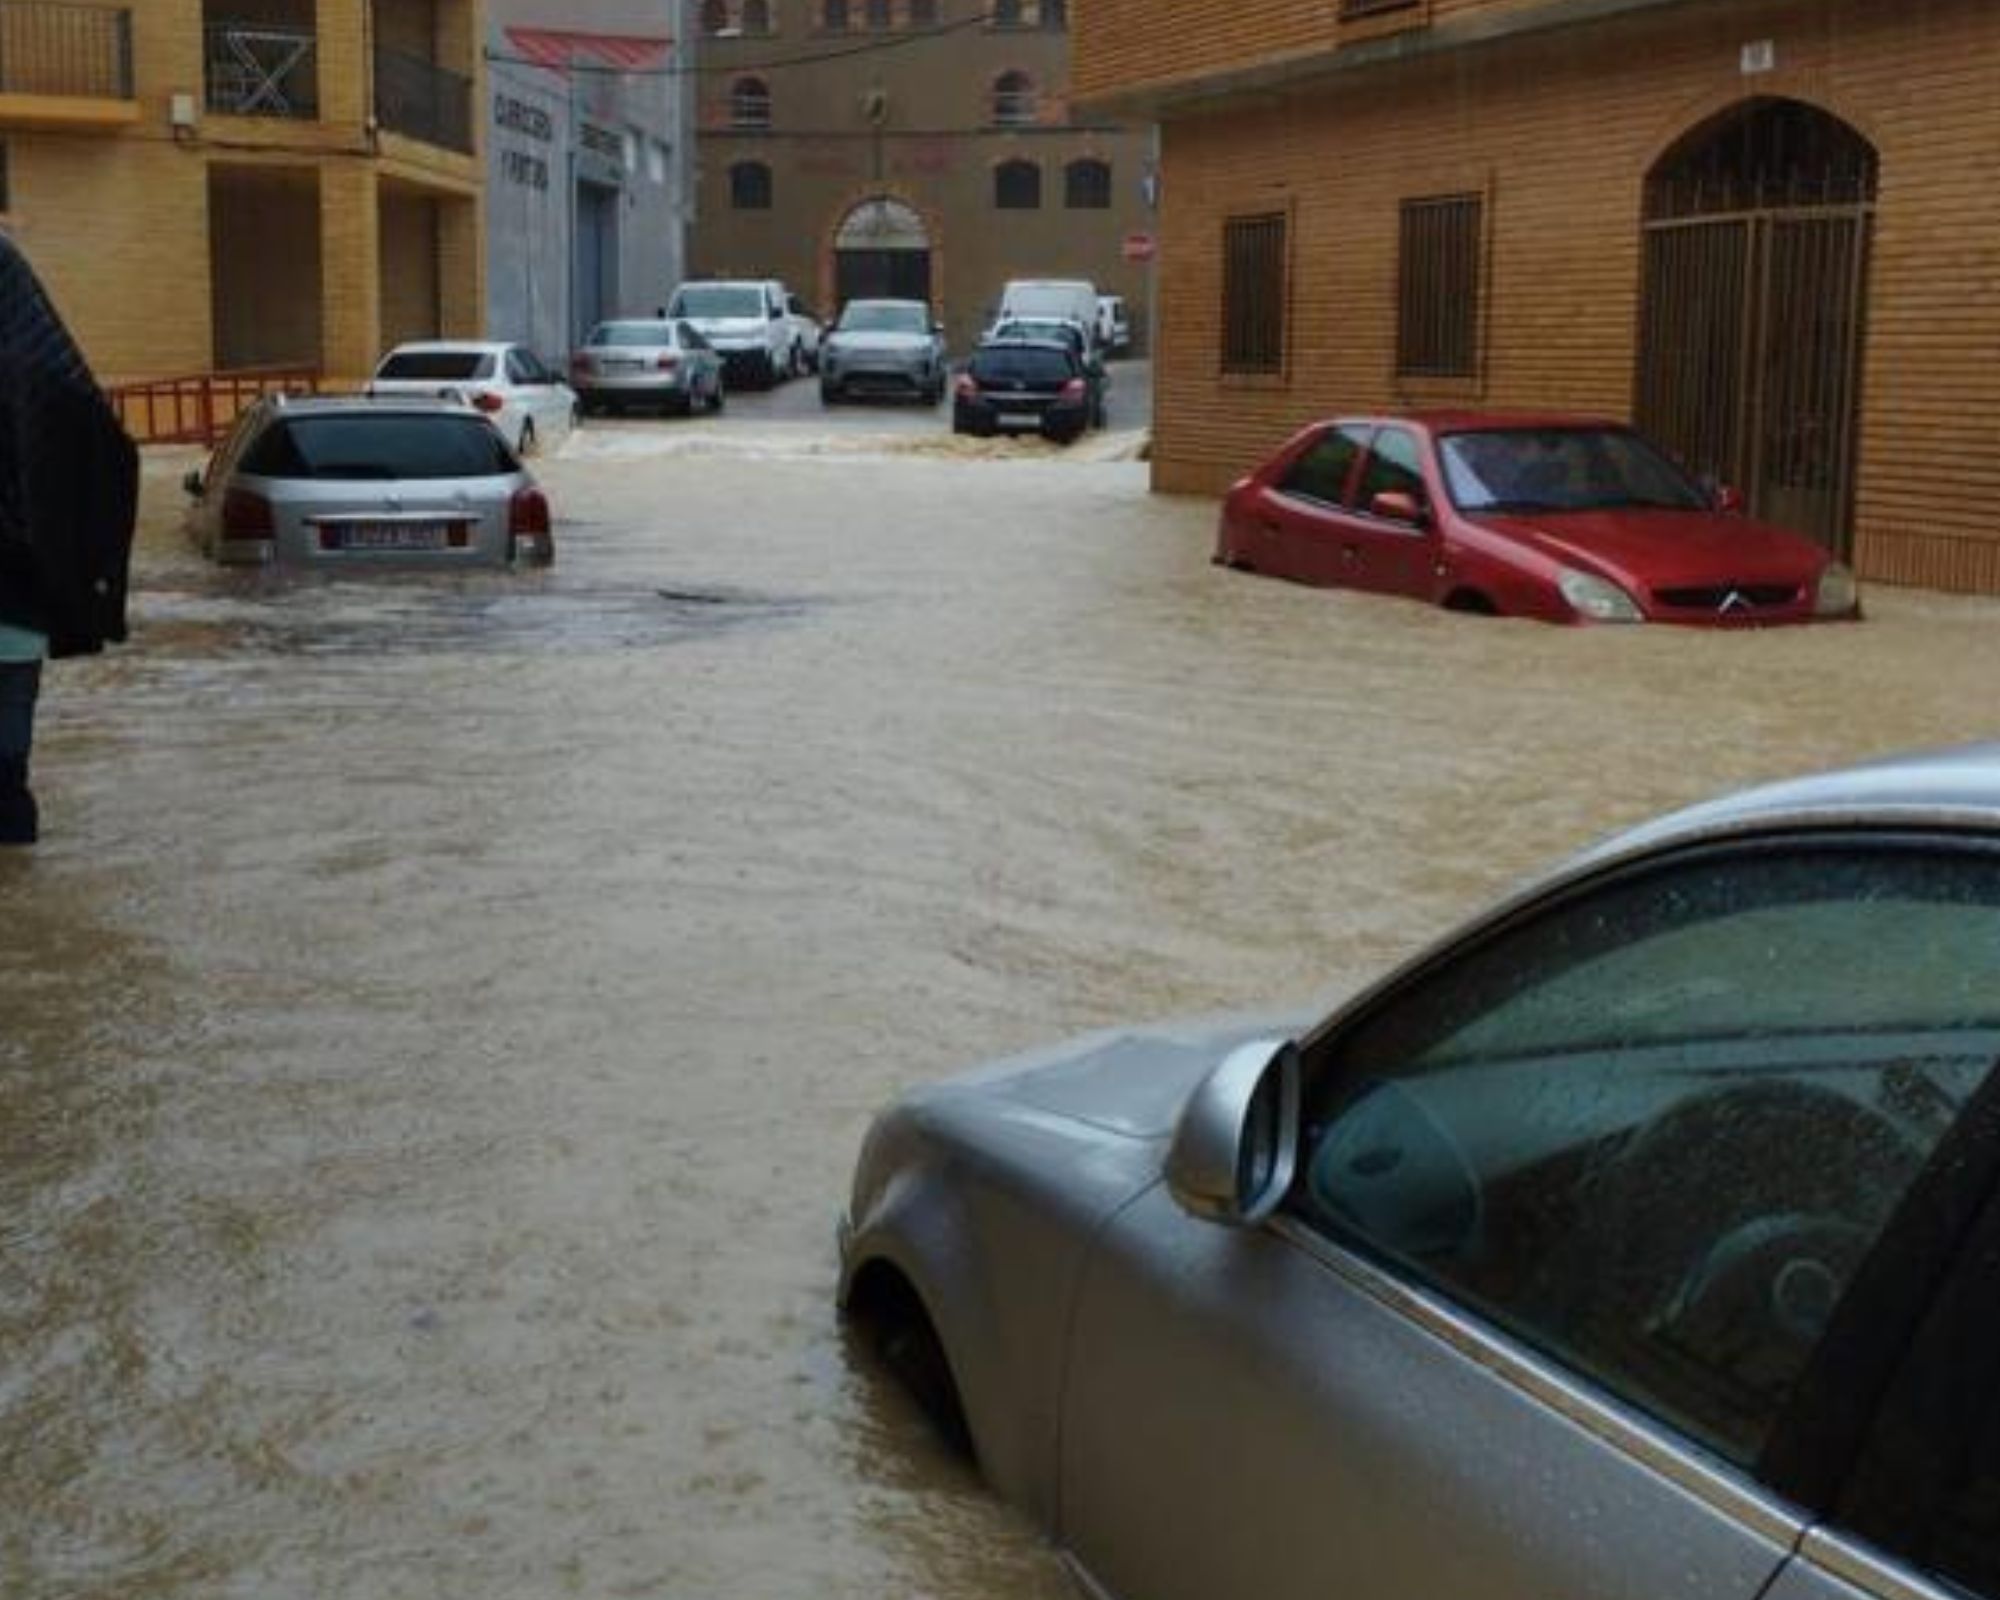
<point x="1141" y="247"/>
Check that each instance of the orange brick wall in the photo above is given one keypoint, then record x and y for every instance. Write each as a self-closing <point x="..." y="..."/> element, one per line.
<point x="1560" y="129"/>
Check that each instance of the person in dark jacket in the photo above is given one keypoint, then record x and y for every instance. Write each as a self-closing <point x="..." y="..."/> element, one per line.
<point x="69" y="493"/>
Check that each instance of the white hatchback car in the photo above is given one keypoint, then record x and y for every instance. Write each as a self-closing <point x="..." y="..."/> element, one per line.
<point x="530" y="405"/>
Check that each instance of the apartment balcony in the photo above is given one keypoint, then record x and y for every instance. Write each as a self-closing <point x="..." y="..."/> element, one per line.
<point x="256" y="70"/>
<point x="421" y="100"/>
<point x="65" y="66"/>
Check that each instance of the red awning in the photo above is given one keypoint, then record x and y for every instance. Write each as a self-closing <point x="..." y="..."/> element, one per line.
<point x="558" y="49"/>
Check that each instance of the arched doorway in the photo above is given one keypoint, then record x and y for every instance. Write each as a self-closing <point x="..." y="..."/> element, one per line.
<point x="1757" y="231"/>
<point x="882" y="252"/>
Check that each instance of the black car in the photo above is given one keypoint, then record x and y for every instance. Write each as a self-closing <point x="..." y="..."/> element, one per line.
<point x="1023" y="386"/>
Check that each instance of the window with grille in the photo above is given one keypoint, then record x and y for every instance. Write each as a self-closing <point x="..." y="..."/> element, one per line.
<point x="750" y="103"/>
<point x="1055" y="15"/>
<point x="756" y="16"/>
<point x="879" y="17"/>
<point x="1437" y="297"/>
<point x="750" y="186"/>
<point x="1008" y="13"/>
<point x="1014" y="100"/>
<point x="1253" y="293"/>
<point x="714" y="16"/>
<point x="833" y="15"/>
<point x="923" y="13"/>
<point x="1087" y="185"/>
<point x="1017" y="186"/>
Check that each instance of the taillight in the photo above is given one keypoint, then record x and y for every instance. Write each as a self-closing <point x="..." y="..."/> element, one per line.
<point x="1075" y="389"/>
<point x="965" y="388"/>
<point x="582" y="363"/>
<point x="489" y="402"/>
<point x="247" y="516"/>
<point x="667" y="363"/>
<point x="528" y="530"/>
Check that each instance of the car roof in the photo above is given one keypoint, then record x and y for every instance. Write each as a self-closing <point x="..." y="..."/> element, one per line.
<point x="484" y="347"/>
<point x="1004" y="342"/>
<point x="1954" y="787"/>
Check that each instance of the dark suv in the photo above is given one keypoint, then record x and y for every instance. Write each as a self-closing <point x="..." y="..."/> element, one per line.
<point x="1023" y="386"/>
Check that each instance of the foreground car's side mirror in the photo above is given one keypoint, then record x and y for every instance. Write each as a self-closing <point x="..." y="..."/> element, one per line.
<point x="1396" y="506"/>
<point x="1238" y="1137"/>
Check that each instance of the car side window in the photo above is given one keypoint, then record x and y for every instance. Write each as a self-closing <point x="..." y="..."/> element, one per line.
<point x="1393" y="468"/>
<point x="518" y="368"/>
<point x="1653" y="1129"/>
<point x="1321" y="474"/>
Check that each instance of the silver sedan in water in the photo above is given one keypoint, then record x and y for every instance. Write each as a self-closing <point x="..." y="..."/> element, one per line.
<point x="1638" y="1240"/>
<point x="358" y="482"/>
<point x="668" y="364"/>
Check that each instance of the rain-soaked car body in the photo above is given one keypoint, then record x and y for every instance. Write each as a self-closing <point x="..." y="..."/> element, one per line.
<point x="1640" y="1239"/>
<point x="355" y="482"/>
<point x="1560" y="518"/>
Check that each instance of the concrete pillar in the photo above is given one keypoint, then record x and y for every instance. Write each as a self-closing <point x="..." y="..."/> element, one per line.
<point x="462" y="268"/>
<point x="346" y="66"/>
<point x="350" y="255"/>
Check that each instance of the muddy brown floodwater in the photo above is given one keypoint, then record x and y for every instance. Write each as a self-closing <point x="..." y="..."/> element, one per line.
<point x="439" y="1025"/>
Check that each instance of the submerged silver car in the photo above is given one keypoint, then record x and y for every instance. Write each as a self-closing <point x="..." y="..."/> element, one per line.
<point x="1641" y="1239"/>
<point x="662" y="363"/>
<point x="883" y="347"/>
<point x="355" y="482"/>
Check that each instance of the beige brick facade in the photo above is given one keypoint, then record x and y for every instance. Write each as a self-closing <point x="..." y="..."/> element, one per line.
<point x="1555" y="112"/>
<point x="185" y="226"/>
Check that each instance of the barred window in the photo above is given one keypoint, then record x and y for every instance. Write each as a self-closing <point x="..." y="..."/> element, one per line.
<point x="1055" y="15"/>
<point x="923" y="13"/>
<point x="750" y="186"/>
<point x="714" y="16"/>
<point x="833" y="15"/>
<point x="1087" y="185"/>
<point x="879" y="17"/>
<point x="1007" y="14"/>
<point x="1015" y="103"/>
<point x="750" y="103"/>
<point x="1253" y="293"/>
<point x="1017" y="186"/>
<point x="1437" y="300"/>
<point x="756" y="16"/>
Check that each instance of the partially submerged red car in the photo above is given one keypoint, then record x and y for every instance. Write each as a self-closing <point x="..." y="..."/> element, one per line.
<point x="1563" y="518"/>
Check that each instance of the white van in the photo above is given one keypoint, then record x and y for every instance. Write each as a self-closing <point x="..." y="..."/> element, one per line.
<point x="1073" y="298"/>
<point x="748" y="321"/>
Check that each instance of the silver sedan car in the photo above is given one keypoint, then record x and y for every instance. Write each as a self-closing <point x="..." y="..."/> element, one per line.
<point x="882" y="347"/>
<point x="358" y="482"/>
<point x="666" y="363"/>
<point x="1641" y="1239"/>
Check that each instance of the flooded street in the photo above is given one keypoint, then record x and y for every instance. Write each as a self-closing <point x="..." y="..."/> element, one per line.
<point x="439" y="1025"/>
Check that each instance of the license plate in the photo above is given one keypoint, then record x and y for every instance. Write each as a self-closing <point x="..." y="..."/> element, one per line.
<point x="1019" y="419"/>
<point x="623" y="366"/>
<point x="393" y="535"/>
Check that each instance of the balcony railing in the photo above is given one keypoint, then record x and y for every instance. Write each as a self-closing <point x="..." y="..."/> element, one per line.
<point x="256" y="71"/>
<point x="423" y="101"/>
<point x="80" y="51"/>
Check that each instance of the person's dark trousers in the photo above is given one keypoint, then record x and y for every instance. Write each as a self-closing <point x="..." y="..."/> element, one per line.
<point x="20" y="683"/>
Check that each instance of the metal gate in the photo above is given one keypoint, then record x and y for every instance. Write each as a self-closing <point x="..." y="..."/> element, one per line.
<point x="881" y="251"/>
<point x="1753" y="311"/>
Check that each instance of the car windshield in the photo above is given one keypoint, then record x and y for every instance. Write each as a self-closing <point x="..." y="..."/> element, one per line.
<point x="631" y="335"/>
<point x="1051" y="300"/>
<point x="1562" y="469"/>
<point x="432" y="365"/>
<point x="1023" y="365"/>
<point x="381" y="446"/>
<point x="877" y="318"/>
<point x="718" y="300"/>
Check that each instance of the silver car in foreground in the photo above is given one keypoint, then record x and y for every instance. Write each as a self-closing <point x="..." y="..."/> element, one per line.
<point x="883" y="347"/>
<point x="653" y="363"/>
<point x="1641" y="1239"/>
<point x="358" y="482"/>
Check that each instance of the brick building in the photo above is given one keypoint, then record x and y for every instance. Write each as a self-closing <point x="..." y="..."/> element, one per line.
<point x="221" y="184"/>
<point x="1766" y="229"/>
<point x="916" y="147"/>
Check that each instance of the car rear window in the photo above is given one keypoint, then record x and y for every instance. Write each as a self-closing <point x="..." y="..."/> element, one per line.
<point x="430" y="365"/>
<point x="1048" y="367"/>
<point x="631" y="335"/>
<point x="382" y="447"/>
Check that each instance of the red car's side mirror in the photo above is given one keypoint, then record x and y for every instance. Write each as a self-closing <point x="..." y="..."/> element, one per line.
<point x="1728" y="501"/>
<point x="1396" y="506"/>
